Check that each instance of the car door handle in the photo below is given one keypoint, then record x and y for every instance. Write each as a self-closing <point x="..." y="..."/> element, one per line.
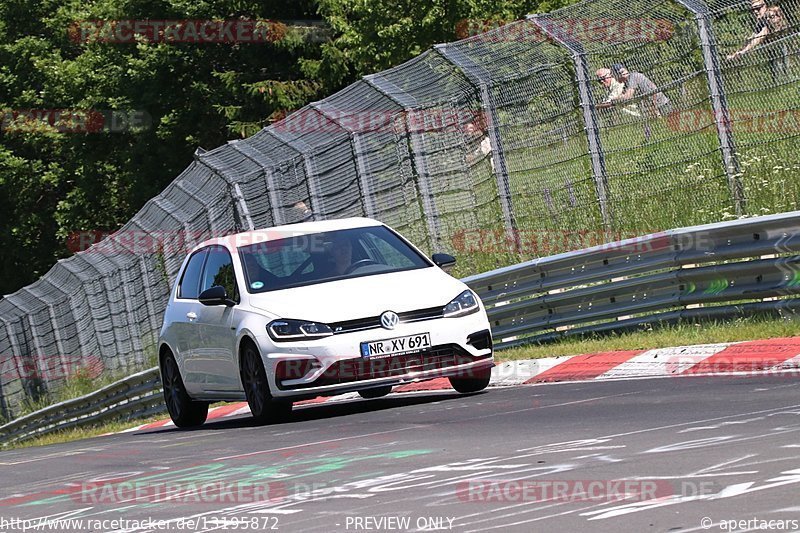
<point x="191" y="315"/>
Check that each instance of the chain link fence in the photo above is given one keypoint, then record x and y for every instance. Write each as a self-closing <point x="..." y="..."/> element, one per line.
<point x="497" y="148"/>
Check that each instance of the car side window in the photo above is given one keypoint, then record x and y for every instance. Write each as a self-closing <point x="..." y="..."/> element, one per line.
<point x="189" y="286"/>
<point x="219" y="271"/>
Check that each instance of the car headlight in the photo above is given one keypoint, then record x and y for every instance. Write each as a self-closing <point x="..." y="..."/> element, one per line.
<point x="295" y="330"/>
<point x="464" y="304"/>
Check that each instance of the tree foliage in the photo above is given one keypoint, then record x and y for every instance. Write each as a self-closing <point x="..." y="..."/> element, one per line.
<point x="56" y="181"/>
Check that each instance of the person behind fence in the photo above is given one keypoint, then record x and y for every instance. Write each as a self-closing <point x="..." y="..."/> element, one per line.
<point x="472" y="130"/>
<point x="778" y="28"/>
<point x="771" y="26"/>
<point x="759" y="10"/>
<point x="615" y="89"/>
<point x="303" y="212"/>
<point x="636" y="84"/>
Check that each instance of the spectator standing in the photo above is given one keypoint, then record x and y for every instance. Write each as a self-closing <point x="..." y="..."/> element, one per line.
<point x="771" y="26"/>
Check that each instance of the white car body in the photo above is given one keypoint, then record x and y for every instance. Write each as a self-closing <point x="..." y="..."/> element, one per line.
<point x="206" y="340"/>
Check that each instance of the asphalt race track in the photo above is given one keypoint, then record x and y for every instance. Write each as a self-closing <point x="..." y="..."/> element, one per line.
<point x="688" y="454"/>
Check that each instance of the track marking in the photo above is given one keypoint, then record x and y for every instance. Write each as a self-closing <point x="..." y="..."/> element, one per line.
<point x="317" y="443"/>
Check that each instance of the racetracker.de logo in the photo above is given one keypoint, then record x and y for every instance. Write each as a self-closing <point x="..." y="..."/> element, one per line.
<point x="602" y="30"/>
<point x="235" y="31"/>
<point x="738" y="120"/>
<point x="73" y="120"/>
<point x="114" y="493"/>
<point x="574" y="490"/>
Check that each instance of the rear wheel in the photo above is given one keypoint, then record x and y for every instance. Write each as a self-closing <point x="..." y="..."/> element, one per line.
<point x="263" y="406"/>
<point x="183" y="411"/>
<point x="477" y="382"/>
<point x="377" y="392"/>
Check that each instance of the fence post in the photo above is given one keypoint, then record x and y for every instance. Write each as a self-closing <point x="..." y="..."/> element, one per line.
<point x="357" y="149"/>
<point x="312" y="176"/>
<point x="719" y="103"/>
<point x="481" y="79"/>
<point x="155" y="323"/>
<point x="272" y="188"/>
<point x="85" y="337"/>
<point x="407" y="102"/>
<point x="16" y="356"/>
<point x="36" y="357"/>
<point x="240" y="206"/>
<point x="57" y="334"/>
<point x="589" y="115"/>
<point x="85" y="341"/>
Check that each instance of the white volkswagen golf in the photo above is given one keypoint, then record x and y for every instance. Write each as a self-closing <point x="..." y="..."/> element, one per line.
<point x="315" y="309"/>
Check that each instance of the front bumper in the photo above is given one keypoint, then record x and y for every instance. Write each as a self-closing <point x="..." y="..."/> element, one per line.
<point x="460" y="347"/>
<point x="341" y="387"/>
<point x="438" y="361"/>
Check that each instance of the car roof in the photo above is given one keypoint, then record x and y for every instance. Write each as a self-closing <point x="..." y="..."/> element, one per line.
<point x="245" y="238"/>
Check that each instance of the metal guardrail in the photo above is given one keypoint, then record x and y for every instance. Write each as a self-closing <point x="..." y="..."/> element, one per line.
<point x="136" y="396"/>
<point x="738" y="268"/>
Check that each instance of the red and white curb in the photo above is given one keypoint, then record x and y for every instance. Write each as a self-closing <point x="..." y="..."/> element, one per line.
<point x="770" y="356"/>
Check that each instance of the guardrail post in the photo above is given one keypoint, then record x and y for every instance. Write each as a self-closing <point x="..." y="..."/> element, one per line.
<point x="481" y="79"/>
<point x="272" y="187"/>
<point x="408" y="102"/>
<point x="589" y="115"/>
<point x="719" y="103"/>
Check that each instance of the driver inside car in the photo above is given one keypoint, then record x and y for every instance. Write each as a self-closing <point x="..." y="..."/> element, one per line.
<point x="341" y="254"/>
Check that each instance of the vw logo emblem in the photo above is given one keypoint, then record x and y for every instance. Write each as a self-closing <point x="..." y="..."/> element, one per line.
<point x="389" y="319"/>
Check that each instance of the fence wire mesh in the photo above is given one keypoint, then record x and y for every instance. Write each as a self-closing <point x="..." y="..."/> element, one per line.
<point x="498" y="148"/>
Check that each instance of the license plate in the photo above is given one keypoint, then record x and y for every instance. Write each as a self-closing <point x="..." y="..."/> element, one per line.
<point x="396" y="346"/>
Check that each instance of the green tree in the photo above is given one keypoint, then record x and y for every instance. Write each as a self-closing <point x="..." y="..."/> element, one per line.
<point x="55" y="182"/>
<point x="373" y="35"/>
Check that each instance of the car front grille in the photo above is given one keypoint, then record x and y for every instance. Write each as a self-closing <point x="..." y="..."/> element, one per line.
<point x="360" y="324"/>
<point x="354" y="370"/>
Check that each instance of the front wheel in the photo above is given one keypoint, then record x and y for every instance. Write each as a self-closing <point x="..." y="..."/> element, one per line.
<point x="478" y="381"/>
<point x="264" y="408"/>
<point x="183" y="411"/>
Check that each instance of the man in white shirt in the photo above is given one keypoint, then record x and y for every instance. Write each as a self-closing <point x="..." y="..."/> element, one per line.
<point x="615" y="90"/>
<point x="638" y="85"/>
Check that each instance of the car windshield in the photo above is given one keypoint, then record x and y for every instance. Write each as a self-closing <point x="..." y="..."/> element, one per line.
<point x="322" y="257"/>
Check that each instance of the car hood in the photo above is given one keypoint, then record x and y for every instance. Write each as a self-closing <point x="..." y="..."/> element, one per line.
<point x="362" y="297"/>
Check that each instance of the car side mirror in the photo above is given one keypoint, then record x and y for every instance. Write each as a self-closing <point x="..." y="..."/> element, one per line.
<point x="216" y="295"/>
<point x="444" y="261"/>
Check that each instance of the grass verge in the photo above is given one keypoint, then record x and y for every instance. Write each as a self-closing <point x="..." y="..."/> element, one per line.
<point x="74" y="434"/>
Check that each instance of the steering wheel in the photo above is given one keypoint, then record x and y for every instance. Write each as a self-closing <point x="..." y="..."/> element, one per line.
<point x="360" y="263"/>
